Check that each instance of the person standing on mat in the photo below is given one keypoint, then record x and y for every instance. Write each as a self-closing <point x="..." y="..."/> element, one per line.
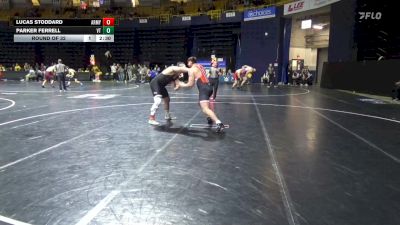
<point x="60" y="73"/>
<point x="158" y="84"/>
<point x="197" y="74"/>
<point x="214" y="79"/>
<point x="272" y="76"/>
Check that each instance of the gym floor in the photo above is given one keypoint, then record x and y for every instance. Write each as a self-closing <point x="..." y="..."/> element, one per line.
<point x="291" y="155"/>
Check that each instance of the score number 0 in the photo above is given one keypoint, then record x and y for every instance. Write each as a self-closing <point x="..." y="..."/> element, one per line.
<point x="108" y="21"/>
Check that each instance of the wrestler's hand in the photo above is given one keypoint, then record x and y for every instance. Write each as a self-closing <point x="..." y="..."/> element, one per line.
<point x="176" y="87"/>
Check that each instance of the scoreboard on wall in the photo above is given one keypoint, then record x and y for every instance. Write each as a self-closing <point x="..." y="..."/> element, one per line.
<point x="64" y="30"/>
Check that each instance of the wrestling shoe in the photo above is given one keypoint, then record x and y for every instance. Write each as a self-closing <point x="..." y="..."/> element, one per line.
<point x="220" y="127"/>
<point x="169" y="117"/>
<point x="153" y="122"/>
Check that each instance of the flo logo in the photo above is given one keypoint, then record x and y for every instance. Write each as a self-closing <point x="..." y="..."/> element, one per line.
<point x="370" y="15"/>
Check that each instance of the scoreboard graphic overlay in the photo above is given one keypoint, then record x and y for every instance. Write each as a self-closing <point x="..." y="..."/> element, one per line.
<point x="64" y="30"/>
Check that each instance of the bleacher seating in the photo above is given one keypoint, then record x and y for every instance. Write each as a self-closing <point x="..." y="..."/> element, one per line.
<point x="162" y="45"/>
<point x="11" y="52"/>
<point x="71" y="53"/>
<point x="123" y="49"/>
<point x="216" y="37"/>
<point x="172" y="8"/>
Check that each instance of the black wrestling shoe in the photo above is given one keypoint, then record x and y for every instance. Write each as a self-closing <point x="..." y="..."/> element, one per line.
<point x="220" y="127"/>
<point x="209" y="121"/>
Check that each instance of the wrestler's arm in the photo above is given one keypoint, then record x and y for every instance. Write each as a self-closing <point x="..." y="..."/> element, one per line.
<point x="190" y="82"/>
<point x="176" y="84"/>
<point x="180" y="69"/>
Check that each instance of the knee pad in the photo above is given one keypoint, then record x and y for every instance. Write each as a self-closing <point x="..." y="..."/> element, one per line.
<point x="157" y="99"/>
<point x="156" y="104"/>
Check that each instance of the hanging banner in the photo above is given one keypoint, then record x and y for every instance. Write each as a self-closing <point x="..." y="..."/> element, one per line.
<point x="296" y="7"/>
<point x="320" y="3"/>
<point x="304" y="5"/>
<point x="257" y="14"/>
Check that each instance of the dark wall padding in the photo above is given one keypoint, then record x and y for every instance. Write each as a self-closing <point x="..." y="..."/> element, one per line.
<point x="341" y="46"/>
<point x="373" y="77"/>
<point x="256" y="49"/>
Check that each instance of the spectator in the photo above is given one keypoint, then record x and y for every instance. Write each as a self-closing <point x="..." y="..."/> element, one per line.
<point x="121" y="73"/>
<point x="271" y="74"/>
<point x="157" y="68"/>
<point x="114" y="71"/>
<point x="153" y="73"/>
<point x="39" y="75"/>
<point x="306" y="77"/>
<point x="97" y="72"/>
<point x="135" y="73"/>
<point x="42" y="68"/>
<point x="296" y="78"/>
<point x="129" y="72"/>
<point x="222" y="76"/>
<point x="265" y="78"/>
<point x="2" y="70"/>
<point x="27" y="67"/>
<point x="290" y="77"/>
<point x="17" y="67"/>
<point x="228" y="78"/>
<point x="143" y="73"/>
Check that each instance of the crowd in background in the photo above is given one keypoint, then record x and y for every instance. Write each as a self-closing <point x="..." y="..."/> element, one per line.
<point x="34" y="72"/>
<point x="300" y="77"/>
<point x="141" y="73"/>
<point x="174" y="8"/>
<point x="127" y="73"/>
